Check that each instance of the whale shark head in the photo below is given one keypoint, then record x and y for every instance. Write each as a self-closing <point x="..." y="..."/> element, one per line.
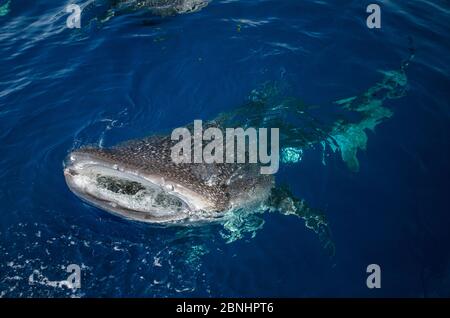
<point x="107" y="180"/>
<point x="139" y="181"/>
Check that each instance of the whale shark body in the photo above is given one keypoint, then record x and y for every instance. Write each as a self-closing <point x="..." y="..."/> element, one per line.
<point x="164" y="7"/>
<point x="103" y="10"/>
<point x="139" y="181"/>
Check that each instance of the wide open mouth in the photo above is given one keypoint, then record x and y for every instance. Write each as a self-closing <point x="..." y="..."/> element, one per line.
<point x="125" y="193"/>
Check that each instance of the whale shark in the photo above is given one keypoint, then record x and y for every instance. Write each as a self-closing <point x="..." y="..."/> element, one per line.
<point x="100" y="11"/>
<point x="139" y="181"/>
<point x="163" y="7"/>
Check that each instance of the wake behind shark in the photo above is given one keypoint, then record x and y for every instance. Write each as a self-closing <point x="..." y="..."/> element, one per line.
<point x="139" y="181"/>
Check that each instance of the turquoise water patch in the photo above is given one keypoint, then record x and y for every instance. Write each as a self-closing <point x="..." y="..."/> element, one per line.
<point x="291" y="155"/>
<point x="4" y="8"/>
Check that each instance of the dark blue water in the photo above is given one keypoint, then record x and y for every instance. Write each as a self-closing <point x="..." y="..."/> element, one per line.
<point x="137" y="74"/>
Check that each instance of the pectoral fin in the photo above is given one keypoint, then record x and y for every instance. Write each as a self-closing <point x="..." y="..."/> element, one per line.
<point x="283" y="201"/>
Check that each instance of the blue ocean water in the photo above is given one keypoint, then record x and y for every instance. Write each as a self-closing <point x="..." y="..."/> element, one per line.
<point x="135" y="74"/>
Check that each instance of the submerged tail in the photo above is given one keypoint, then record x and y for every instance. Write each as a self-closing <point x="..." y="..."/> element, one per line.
<point x="340" y="127"/>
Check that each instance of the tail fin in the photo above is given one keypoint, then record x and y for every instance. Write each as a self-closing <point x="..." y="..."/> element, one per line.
<point x="340" y="126"/>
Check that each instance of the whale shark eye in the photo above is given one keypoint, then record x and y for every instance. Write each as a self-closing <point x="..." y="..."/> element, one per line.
<point x="118" y="185"/>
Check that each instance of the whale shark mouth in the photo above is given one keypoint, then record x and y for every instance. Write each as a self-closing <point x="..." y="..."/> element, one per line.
<point x="129" y="193"/>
